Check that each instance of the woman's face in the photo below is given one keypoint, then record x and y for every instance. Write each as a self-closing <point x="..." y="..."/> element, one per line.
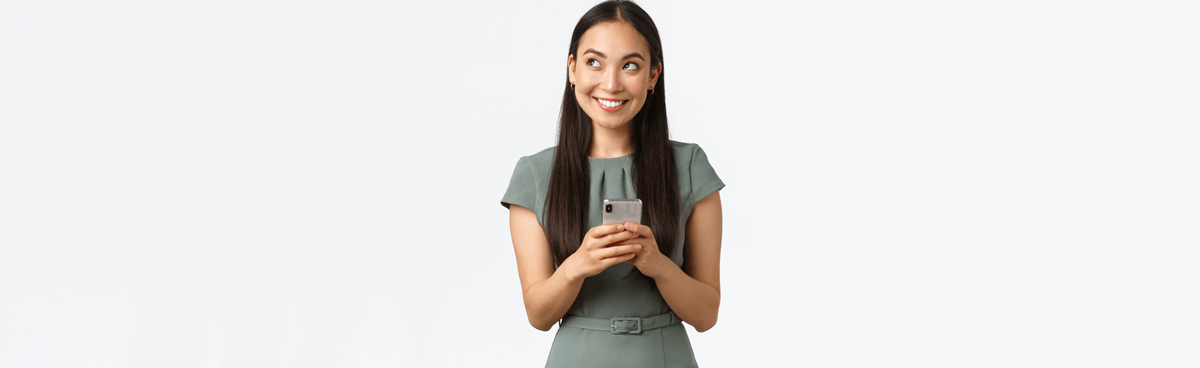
<point x="612" y="73"/>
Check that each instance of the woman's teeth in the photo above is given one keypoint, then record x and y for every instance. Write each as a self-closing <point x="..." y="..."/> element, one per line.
<point x="610" y="103"/>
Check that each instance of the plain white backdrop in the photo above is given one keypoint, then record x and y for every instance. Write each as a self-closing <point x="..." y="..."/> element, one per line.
<point x="316" y="184"/>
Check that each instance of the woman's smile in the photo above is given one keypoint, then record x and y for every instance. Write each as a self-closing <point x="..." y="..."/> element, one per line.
<point x="609" y="105"/>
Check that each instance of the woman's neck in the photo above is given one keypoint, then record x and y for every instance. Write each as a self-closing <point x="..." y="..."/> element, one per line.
<point x="611" y="142"/>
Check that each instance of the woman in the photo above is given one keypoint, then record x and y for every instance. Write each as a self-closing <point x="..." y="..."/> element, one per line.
<point x="618" y="291"/>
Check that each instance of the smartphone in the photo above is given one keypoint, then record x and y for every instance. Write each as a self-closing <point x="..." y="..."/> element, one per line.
<point x="619" y="210"/>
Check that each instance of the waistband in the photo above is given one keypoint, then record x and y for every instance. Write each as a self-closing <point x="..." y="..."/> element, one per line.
<point x="621" y="325"/>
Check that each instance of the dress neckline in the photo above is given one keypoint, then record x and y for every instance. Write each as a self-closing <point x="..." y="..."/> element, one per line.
<point x="620" y="160"/>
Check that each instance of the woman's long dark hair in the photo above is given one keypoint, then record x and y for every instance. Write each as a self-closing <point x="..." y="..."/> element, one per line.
<point x="653" y="173"/>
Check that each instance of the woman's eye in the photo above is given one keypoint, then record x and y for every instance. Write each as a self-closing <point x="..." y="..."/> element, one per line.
<point x="593" y="62"/>
<point x="631" y="66"/>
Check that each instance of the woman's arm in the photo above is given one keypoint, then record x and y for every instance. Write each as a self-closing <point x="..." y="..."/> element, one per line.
<point x="548" y="293"/>
<point x="694" y="293"/>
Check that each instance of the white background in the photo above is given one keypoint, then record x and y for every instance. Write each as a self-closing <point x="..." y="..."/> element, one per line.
<point x="317" y="184"/>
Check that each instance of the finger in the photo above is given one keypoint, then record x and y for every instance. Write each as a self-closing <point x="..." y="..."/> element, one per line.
<point x="642" y="242"/>
<point x="604" y="230"/>
<point x="618" y="259"/>
<point x="621" y="250"/>
<point x="639" y="229"/>
<point x="616" y="237"/>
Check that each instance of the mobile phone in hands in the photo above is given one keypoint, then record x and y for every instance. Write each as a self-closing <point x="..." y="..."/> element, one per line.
<point x="619" y="210"/>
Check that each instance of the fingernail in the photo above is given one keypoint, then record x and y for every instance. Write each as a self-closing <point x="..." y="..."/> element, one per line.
<point x="637" y="247"/>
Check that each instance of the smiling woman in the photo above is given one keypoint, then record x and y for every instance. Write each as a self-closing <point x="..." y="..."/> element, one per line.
<point x="618" y="89"/>
<point x="619" y="292"/>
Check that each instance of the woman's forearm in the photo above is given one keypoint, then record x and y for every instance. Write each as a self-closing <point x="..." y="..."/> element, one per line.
<point x="694" y="301"/>
<point x="548" y="300"/>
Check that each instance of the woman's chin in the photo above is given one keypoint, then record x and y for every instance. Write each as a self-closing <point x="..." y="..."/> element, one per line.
<point x="610" y="124"/>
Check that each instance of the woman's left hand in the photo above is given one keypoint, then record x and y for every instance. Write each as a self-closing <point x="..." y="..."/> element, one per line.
<point x="649" y="259"/>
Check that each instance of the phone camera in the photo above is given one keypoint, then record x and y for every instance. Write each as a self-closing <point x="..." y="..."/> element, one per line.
<point x="608" y="208"/>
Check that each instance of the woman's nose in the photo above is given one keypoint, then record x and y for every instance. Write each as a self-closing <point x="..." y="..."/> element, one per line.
<point x="612" y="80"/>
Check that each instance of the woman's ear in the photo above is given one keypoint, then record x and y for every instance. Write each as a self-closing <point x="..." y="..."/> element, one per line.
<point x="654" y="73"/>
<point x="571" y="68"/>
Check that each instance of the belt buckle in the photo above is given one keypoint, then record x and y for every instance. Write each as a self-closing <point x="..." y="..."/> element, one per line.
<point x="626" y="326"/>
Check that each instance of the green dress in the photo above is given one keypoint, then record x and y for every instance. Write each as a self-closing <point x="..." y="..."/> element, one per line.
<point x="608" y="294"/>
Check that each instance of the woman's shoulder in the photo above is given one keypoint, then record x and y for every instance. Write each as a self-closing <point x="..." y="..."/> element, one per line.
<point x="683" y="146"/>
<point x="540" y="161"/>
<point x="697" y="178"/>
<point x="684" y="152"/>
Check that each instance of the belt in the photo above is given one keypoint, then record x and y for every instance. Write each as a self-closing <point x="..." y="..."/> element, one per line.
<point x="621" y="325"/>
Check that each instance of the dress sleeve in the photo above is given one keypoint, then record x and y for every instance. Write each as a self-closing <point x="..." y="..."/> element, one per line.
<point x="704" y="179"/>
<point x="521" y="187"/>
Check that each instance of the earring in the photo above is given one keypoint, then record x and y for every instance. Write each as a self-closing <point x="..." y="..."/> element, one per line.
<point x="572" y="86"/>
<point x="652" y="91"/>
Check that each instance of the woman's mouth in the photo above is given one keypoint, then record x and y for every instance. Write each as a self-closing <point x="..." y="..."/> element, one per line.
<point x="609" y="105"/>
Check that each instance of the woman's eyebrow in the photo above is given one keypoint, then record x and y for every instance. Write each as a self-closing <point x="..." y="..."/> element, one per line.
<point x="595" y="52"/>
<point x="635" y="54"/>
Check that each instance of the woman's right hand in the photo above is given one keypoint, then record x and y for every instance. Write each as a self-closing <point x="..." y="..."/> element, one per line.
<point x="595" y="253"/>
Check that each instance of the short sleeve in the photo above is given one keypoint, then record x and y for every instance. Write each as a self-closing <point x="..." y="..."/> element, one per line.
<point x="521" y="190"/>
<point x="704" y="178"/>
